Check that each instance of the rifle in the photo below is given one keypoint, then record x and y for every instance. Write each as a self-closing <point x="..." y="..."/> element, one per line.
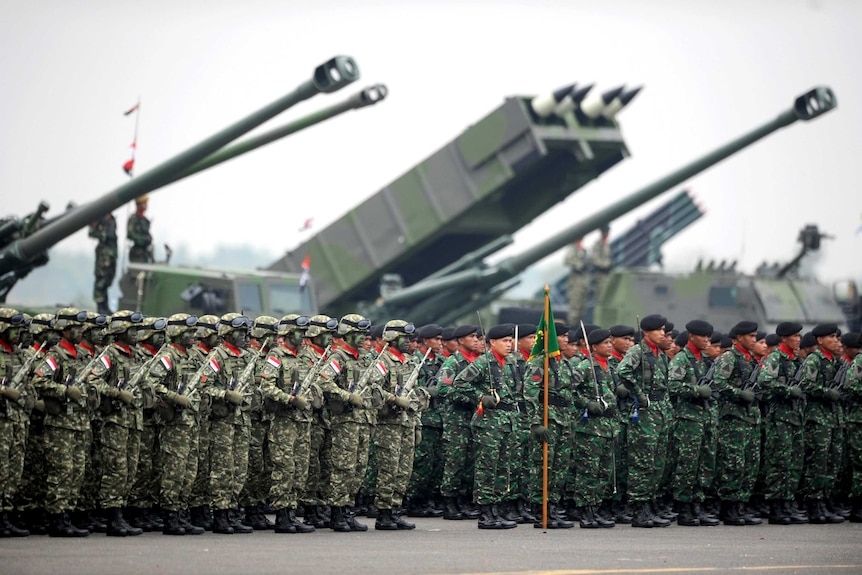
<point x="366" y="375"/>
<point x="312" y="373"/>
<point x="18" y="378"/>
<point x="492" y="391"/>
<point x="414" y="376"/>
<point x="599" y="399"/>
<point x="635" y="415"/>
<point x="247" y="375"/>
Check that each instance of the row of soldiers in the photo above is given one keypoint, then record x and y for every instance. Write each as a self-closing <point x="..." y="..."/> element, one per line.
<point x="325" y="416"/>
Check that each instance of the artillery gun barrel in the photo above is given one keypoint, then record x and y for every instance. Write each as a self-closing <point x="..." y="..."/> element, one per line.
<point x="328" y="77"/>
<point x="474" y="257"/>
<point x="806" y="107"/>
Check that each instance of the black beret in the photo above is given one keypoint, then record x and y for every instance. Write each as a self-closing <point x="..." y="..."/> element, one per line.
<point x="761" y="335"/>
<point x="786" y="328"/>
<point x="560" y="327"/>
<point x="674" y="333"/>
<point x="501" y="331"/>
<point x="598" y="336"/>
<point x="574" y="335"/>
<point x="699" y="327"/>
<point x="716" y="337"/>
<point x="682" y="339"/>
<point x="622" y="331"/>
<point x="808" y="340"/>
<point x="850" y="339"/>
<point x="525" y="329"/>
<point x="429" y="331"/>
<point x="743" y="328"/>
<point x="773" y="339"/>
<point x="653" y="322"/>
<point x="824" y="329"/>
<point x="726" y="342"/>
<point x="464" y="330"/>
<point x="448" y="333"/>
<point x="668" y="326"/>
<point x="376" y="331"/>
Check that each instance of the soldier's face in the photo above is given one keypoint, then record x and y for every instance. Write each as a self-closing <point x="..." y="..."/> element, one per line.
<point x="656" y="337"/>
<point x="792" y="341"/>
<point x="700" y="342"/>
<point x="713" y="350"/>
<point x="503" y="346"/>
<point x="470" y="342"/>
<point x="622" y="344"/>
<point x="525" y="343"/>
<point x="13" y="335"/>
<point x="759" y="347"/>
<point x="830" y="343"/>
<point x="187" y="339"/>
<point x="603" y="348"/>
<point x="435" y="344"/>
<point x="747" y="341"/>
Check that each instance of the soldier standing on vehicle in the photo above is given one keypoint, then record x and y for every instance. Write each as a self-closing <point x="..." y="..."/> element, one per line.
<point x="138" y="231"/>
<point x="104" y="230"/>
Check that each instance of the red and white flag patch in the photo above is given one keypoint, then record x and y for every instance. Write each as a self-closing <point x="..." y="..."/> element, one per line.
<point x="381" y="368"/>
<point x="214" y="365"/>
<point x="166" y="362"/>
<point x="273" y="361"/>
<point x="335" y="367"/>
<point x="106" y="361"/>
<point x="52" y="363"/>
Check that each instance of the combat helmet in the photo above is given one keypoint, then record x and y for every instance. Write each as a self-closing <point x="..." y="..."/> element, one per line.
<point x="207" y="326"/>
<point x="353" y="322"/>
<point x="395" y="328"/>
<point x="124" y="320"/>
<point x="319" y="324"/>
<point x="231" y="322"/>
<point x="291" y="323"/>
<point x="68" y="317"/>
<point x="95" y="320"/>
<point x="10" y="317"/>
<point x="151" y="327"/>
<point x="264" y="326"/>
<point x="180" y="323"/>
<point x="41" y="323"/>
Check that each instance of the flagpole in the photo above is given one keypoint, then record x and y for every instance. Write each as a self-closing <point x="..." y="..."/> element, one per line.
<point x="545" y="416"/>
<point x="137" y="120"/>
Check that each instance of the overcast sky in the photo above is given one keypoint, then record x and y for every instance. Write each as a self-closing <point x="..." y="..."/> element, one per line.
<point x="711" y="70"/>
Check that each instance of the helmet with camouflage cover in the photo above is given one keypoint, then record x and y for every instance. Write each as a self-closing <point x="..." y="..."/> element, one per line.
<point x="11" y="318"/>
<point x="264" y="326"/>
<point x="292" y="322"/>
<point x="68" y="317"/>
<point x="353" y="322"/>
<point x="231" y="322"/>
<point x="152" y="329"/>
<point x="41" y="323"/>
<point x="207" y="326"/>
<point x="180" y="323"/>
<point x="124" y="320"/>
<point x="95" y="320"/>
<point x="319" y="324"/>
<point x="397" y="327"/>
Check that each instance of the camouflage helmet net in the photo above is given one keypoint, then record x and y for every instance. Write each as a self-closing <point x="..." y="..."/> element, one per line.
<point x="95" y="320"/>
<point x="318" y="324"/>
<point x="207" y="326"/>
<point x="10" y="317"/>
<point x="397" y="327"/>
<point x="264" y="326"/>
<point x="231" y="322"/>
<point x="150" y="327"/>
<point x="69" y="316"/>
<point x="124" y="320"/>
<point x="353" y="322"/>
<point x="180" y="323"/>
<point x="41" y="322"/>
<point x="292" y="322"/>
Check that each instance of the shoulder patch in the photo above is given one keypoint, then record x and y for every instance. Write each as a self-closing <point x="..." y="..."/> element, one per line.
<point x="166" y="362"/>
<point x="273" y="361"/>
<point x="214" y="365"/>
<point x="381" y="368"/>
<point x="335" y="367"/>
<point x="106" y="361"/>
<point x="52" y="363"/>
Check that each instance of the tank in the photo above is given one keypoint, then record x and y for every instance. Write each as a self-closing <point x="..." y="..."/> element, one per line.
<point x="431" y="299"/>
<point x="24" y="245"/>
<point x="518" y="161"/>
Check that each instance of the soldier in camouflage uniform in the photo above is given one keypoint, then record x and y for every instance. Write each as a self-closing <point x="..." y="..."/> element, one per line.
<point x="313" y="495"/>
<point x="822" y="422"/>
<point x="138" y="231"/>
<point x="643" y="371"/>
<point x="622" y="340"/>
<point x="518" y="506"/>
<point x="594" y="425"/>
<point x="394" y="438"/>
<point x="785" y="409"/>
<point x="340" y="379"/>
<point x="853" y="390"/>
<point x="256" y="421"/>
<point x="557" y="434"/>
<point x="217" y="378"/>
<point x="458" y="447"/>
<point x="692" y="401"/>
<point x="488" y="384"/>
<point x="66" y="424"/>
<point x="14" y="417"/>
<point x="737" y="417"/>
<point x="111" y="376"/>
<point x="177" y="406"/>
<point x="601" y="263"/>
<point x="291" y="425"/>
<point x="578" y="283"/>
<point x="199" y="498"/>
<point x="104" y="230"/>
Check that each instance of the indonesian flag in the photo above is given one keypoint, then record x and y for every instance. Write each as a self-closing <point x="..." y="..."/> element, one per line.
<point x="214" y="365"/>
<point x="106" y="361"/>
<point x="52" y="363"/>
<point x="130" y="164"/>
<point x="306" y="265"/>
<point x="306" y="225"/>
<point x="166" y="362"/>
<point x="335" y="367"/>
<point x="381" y="368"/>
<point x="273" y="361"/>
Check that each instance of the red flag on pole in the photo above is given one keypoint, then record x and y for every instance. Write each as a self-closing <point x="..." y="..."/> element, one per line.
<point x="130" y="164"/>
<point x="306" y="265"/>
<point x="132" y="109"/>
<point x="306" y="225"/>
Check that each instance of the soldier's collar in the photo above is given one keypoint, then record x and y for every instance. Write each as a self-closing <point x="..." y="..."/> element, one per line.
<point x="70" y="349"/>
<point x="288" y="348"/>
<point x="234" y="350"/>
<point x="88" y="348"/>
<point x="180" y="348"/>
<point x="397" y="354"/>
<point x="500" y="359"/>
<point x="124" y="348"/>
<point x="148" y="348"/>
<point x="825" y="353"/>
<point x="350" y="350"/>
<point x="468" y="355"/>
<point x="743" y="351"/>
<point x="786" y="351"/>
<point x="696" y="352"/>
<point x="4" y="345"/>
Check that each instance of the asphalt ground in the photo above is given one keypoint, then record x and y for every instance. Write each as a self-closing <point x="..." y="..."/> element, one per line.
<point x="439" y="547"/>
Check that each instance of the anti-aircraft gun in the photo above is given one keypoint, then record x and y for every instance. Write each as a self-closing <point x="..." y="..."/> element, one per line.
<point x="24" y="244"/>
<point x="470" y="284"/>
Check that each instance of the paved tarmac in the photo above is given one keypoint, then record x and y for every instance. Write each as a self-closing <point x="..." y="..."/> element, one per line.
<point x="438" y="547"/>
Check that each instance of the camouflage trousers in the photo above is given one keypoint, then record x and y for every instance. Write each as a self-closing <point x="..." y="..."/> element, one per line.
<point x="621" y="453"/>
<point x="693" y="459"/>
<point x="241" y="443"/>
<point x="200" y="493"/>
<point x="646" y="453"/>
<point x="145" y="491"/>
<point x="369" y="479"/>
<point x="316" y="488"/>
<point x="32" y="487"/>
<point x="592" y="456"/>
<point x="114" y="443"/>
<point x="577" y="292"/>
<point x="782" y="459"/>
<point x="427" y="465"/>
<point x="459" y="452"/>
<point x="818" y="474"/>
<point x="88" y="498"/>
<point x="518" y="458"/>
<point x="259" y="481"/>
<point x="492" y="431"/>
<point x="734" y="459"/>
<point x="178" y="469"/>
<point x="388" y="443"/>
<point x="559" y="463"/>
<point x="289" y="444"/>
<point x="65" y="451"/>
<point x="854" y="451"/>
<point x="405" y="463"/>
<point x="346" y="455"/>
<point x="221" y="463"/>
<point x="105" y="271"/>
<point x="13" y="442"/>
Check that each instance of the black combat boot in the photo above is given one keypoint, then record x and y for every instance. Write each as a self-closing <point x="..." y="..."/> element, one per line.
<point x="525" y="511"/>
<point x="130" y="530"/>
<point x="642" y="517"/>
<point x="796" y="517"/>
<point x="337" y="522"/>
<point x="385" y="521"/>
<point x="588" y="520"/>
<point x="82" y="520"/>
<point x="509" y="512"/>
<point x="504" y="523"/>
<point x="59" y="525"/>
<point x="171" y="522"/>
<point x="234" y="516"/>
<point x="706" y="519"/>
<point x="451" y="510"/>
<point x="435" y="507"/>
<point x="623" y="514"/>
<point x="8" y="529"/>
<point x="487" y="520"/>
<point x="557" y="511"/>
<point x="777" y="513"/>
<point x="300" y="526"/>
<point x="661" y="513"/>
<point x="730" y="513"/>
<point x="468" y="510"/>
<point x="372" y="511"/>
<point x="856" y="511"/>
<point x="657" y="519"/>
<point x="187" y="525"/>
<point x="750" y="518"/>
<point x="401" y="523"/>
<point x="601" y="520"/>
<point x="256" y="518"/>
<point x="687" y="516"/>
<point x="116" y="526"/>
<point x="283" y="524"/>
<point x="221" y="522"/>
<point x="139" y="518"/>
<point x="355" y="525"/>
<point x="198" y="517"/>
<point x="417" y="507"/>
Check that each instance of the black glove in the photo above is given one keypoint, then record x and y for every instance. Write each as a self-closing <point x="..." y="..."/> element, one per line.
<point x="595" y="408"/>
<point x="622" y="391"/>
<point x="704" y="392"/>
<point x="833" y="394"/>
<point x="488" y="402"/>
<point x="540" y="433"/>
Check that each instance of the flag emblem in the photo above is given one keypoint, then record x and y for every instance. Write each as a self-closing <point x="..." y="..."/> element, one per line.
<point x="166" y="362"/>
<point x="335" y="367"/>
<point x="214" y="365"/>
<point x="52" y="363"/>
<point x="381" y="368"/>
<point x="106" y="361"/>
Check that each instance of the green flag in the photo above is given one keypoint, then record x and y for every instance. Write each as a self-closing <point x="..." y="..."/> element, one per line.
<point x="546" y="329"/>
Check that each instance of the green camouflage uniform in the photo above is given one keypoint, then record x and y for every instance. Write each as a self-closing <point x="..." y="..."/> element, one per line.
<point x="144" y="493"/>
<point x="853" y="389"/>
<point x="621" y="453"/>
<point x="822" y="426"/>
<point x="14" y="424"/>
<point x="316" y="489"/>
<point x="32" y="487"/>
<point x="138" y="231"/>
<point x="428" y="462"/>
<point x="601" y="262"/>
<point x="394" y="438"/>
<point x="200" y="492"/>
<point x="578" y="283"/>
<point x="459" y="449"/>
<point x="258" y="481"/>
<point x="105" y="232"/>
<point x="491" y="428"/>
<point x="519" y="455"/>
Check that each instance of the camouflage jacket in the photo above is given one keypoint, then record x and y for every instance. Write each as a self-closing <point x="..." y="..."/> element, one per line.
<point x="171" y="371"/>
<point x="561" y="383"/>
<point x="11" y="362"/>
<point x="452" y="366"/>
<point x="590" y="376"/>
<point x="431" y="417"/>
<point x="279" y="381"/>
<point x="643" y="370"/>
<point x="732" y="371"/>
<point x="817" y="372"/>
<point x="53" y="374"/>
<point x="138" y="231"/>
<point x="104" y="230"/>
<point x="576" y="258"/>
<point x="396" y="369"/>
<point x="308" y="356"/>
<point x="853" y="390"/>
<point x="114" y="371"/>
<point x="488" y="374"/>
<point x="340" y="377"/>
<point x="775" y="379"/>
<point x="601" y="257"/>
<point x="683" y="377"/>
<point x="219" y="374"/>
